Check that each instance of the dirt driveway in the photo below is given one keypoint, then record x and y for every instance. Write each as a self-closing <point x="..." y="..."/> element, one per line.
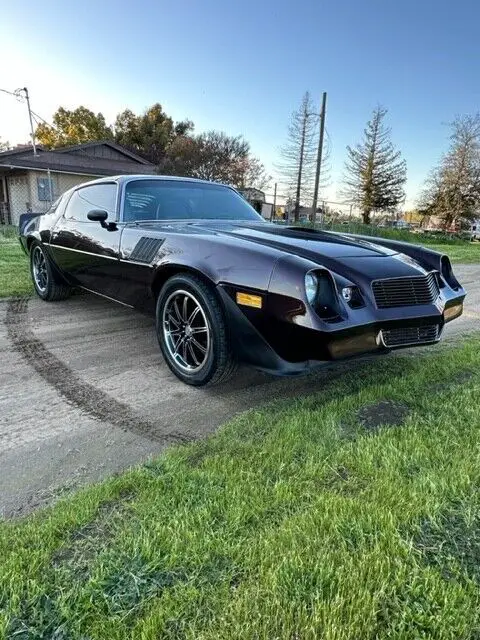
<point x="84" y="393"/>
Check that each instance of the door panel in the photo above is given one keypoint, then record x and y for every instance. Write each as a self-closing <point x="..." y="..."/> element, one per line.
<point x="84" y="250"/>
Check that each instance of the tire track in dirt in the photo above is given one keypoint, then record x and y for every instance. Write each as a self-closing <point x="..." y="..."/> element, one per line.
<point x="89" y="399"/>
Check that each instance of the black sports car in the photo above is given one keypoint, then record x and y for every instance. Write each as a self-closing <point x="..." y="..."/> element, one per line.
<point x="226" y="286"/>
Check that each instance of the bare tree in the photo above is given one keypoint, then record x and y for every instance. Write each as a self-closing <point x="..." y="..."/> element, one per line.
<point x="375" y="172"/>
<point x="297" y="165"/>
<point x="452" y="191"/>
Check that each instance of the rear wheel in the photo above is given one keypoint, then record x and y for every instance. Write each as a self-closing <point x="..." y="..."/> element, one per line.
<point x="46" y="282"/>
<point x="192" y="333"/>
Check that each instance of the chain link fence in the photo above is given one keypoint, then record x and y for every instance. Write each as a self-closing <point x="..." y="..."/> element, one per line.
<point x="32" y="192"/>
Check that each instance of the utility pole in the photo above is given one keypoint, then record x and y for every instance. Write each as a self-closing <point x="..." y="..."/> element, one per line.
<point x="272" y="216"/>
<point x="319" y="155"/>
<point x="300" y="168"/>
<point x="25" y="90"/>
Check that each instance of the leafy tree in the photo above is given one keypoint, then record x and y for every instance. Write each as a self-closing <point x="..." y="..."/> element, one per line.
<point x="170" y="145"/>
<point x="252" y="173"/>
<point x="149" y="134"/>
<point x="73" y="127"/>
<point x="297" y="157"/>
<point x="216" y="156"/>
<point x="453" y="190"/>
<point x="375" y="172"/>
<point x="4" y="146"/>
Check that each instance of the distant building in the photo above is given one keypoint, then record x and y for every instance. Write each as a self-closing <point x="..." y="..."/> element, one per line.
<point x="304" y="213"/>
<point x="31" y="182"/>
<point x="254" y="196"/>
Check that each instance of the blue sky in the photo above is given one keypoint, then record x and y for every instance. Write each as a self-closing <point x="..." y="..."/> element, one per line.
<point x="242" y="67"/>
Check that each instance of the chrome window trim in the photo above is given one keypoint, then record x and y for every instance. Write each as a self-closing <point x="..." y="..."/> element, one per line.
<point x="85" y="185"/>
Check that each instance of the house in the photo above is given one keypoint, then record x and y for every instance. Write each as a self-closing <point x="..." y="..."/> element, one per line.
<point x="254" y="196"/>
<point x="304" y="213"/>
<point x="31" y="182"/>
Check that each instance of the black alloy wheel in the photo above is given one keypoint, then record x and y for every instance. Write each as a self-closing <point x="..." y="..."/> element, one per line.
<point x="192" y="333"/>
<point x="48" y="285"/>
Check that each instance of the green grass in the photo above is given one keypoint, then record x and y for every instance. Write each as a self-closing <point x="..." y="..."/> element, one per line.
<point x="14" y="273"/>
<point x="402" y="235"/>
<point x="301" y="520"/>
<point x="465" y="253"/>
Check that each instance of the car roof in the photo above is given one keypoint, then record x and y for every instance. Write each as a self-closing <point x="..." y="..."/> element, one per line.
<point x="143" y="176"/>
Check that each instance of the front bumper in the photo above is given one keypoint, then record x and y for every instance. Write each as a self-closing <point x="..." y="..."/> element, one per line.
<point x="289" y="348"/>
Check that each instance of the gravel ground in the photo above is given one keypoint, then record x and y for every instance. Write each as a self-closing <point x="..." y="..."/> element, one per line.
<point x="85" y="393"/>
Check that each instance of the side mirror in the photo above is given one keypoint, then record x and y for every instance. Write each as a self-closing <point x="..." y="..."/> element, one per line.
<point x="97" y="215"/>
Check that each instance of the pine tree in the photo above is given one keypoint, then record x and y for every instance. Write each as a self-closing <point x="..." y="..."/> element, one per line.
<point x="375" y="172"/>
<point x="297" y="165"/>
<point x="453" y="189"/>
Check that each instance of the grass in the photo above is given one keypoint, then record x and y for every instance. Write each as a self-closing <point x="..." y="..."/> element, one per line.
<point x="306" y="519"/>
<point x="465" y="253"/>
<point x="14" y="273"/>
<point x="403" y="235"/>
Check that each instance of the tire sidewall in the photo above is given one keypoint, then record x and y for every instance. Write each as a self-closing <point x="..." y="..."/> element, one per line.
<point x="41" y="294"/>
<point x="207" y="371"/>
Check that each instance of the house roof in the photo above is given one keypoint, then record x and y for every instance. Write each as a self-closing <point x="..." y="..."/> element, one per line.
<point x="106" y="143"/>
<point x="103" y="158"/>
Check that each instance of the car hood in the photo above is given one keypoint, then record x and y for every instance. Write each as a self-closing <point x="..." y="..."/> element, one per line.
<point x="307" y="243"/>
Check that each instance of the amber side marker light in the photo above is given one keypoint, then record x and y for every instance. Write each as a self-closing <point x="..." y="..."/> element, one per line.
<point x="249" y="300"/>
<point x="453" y="312"/>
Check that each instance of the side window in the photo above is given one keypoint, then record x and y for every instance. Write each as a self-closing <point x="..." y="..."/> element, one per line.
<point x="98" y="196"/>
<point x="45" y="189"/>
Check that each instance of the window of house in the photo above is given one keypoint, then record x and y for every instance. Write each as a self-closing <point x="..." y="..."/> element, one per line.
<point x="45" y="189"/>
<point x="86" y="199"/>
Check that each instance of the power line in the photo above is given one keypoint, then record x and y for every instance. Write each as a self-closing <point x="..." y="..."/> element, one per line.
<point x="22" y="95"/>
<point x="21" y="98"/>
<point x="10" y="93"/>
<point x="39" y="119"/>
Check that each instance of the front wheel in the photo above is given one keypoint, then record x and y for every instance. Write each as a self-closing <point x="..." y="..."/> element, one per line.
<point x="192" y="333"/>
<point x="47" y="284"/>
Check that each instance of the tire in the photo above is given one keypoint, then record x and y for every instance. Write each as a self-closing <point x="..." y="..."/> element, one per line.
<point x="193" y="338"/>
<point x="46" y="282"/>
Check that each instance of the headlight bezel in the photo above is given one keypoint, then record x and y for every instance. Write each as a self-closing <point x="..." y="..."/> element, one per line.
<point x="325" y="302"/>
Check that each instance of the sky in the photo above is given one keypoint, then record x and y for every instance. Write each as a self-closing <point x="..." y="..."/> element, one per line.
<point x="242" y="67"/>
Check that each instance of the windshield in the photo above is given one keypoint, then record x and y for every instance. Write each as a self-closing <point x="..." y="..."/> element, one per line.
<point x="176" y="200"/>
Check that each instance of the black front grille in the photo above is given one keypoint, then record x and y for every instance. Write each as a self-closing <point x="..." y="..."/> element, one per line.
<point x="406" y="292"/>
<point x="410" y="335"/>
